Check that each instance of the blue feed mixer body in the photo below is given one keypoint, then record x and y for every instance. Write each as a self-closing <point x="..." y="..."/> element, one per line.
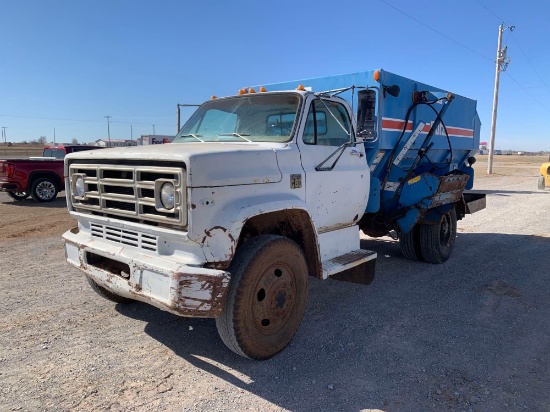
<point x="405" y="166"/>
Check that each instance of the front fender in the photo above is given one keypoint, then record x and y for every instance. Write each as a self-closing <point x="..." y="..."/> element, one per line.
<point x="218" y="231"/>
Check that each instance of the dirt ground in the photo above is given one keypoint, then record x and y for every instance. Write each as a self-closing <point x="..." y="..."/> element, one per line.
<point x="472" y="334"/>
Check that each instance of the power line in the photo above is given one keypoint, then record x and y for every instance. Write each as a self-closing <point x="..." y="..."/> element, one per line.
<point x="470" y="49"/>
<point x="527" y="91"/>
<point x="85" y="120"/>
<point x="531" y="64"/>
<point x="48" y="118"/>
<point x="490" y="11"/>
<point x="437" y="31"/>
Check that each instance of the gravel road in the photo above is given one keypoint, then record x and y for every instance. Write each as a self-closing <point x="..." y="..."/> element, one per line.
<point x="472" y="334"/>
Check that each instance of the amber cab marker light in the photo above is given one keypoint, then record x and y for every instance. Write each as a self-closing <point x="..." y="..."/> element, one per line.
<point x="263" y="89"/>
<point x="242" y="91"/>
<point x="251" y="90"/>
<point x="213" y="97"/>
<point x="376" y="75"/>
<point x="301" y="87"/>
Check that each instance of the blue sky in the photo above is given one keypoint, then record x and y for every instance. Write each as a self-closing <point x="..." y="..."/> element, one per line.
<point x="67" y="64"/>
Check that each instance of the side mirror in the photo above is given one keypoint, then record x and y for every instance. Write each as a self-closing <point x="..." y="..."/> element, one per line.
<point x="366" y="118"/>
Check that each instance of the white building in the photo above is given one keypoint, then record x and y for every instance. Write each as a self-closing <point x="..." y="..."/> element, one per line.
<point x="115" y="143"/>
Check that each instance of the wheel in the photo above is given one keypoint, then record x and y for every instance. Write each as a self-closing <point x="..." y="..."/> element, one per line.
<point x="266" y="298"/>
<point x="44" y="189"/>
<point x="18" y="195"/>
<point x="542" y="185"/>
<point x="104" y="293"/>
<point x="437" y="241"/>
<point x="410" y="244"/>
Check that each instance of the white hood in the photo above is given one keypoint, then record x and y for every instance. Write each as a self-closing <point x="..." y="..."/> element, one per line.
<point x="207" y="164"/>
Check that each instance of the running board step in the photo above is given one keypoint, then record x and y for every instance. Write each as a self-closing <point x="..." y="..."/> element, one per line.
<point x="355" y="267"/>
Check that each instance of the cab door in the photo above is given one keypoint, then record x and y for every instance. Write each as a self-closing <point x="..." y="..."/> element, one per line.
<point x="336" y="190"/>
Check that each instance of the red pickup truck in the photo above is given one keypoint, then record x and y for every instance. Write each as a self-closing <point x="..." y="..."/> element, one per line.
<point x="39" y="177"/>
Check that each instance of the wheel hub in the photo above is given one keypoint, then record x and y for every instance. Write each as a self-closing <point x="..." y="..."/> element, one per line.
<point x="45" y="190"/>
<point x="274" y="300"/>
<point x="445" y="232"/>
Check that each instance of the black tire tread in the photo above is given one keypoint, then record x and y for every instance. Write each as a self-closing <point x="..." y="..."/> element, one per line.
<point x="430" y="246"/>
<point x="225" y="323"/>
<point x="410" y="244"/>
<point x="17" y="197"/>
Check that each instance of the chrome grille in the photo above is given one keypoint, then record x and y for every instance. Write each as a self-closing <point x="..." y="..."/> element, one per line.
<point x="125" y="236"/>
<point x="128" y="192"/>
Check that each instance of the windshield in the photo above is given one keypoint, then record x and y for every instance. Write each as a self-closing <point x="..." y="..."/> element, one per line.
<point x="251" y="118"/>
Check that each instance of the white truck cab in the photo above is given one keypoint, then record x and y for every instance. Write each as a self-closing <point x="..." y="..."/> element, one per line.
<point x="257" y="192"/>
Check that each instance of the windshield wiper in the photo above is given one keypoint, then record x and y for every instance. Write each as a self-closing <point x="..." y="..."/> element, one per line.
<point x="242" y="136"/>
<point x="196" y="136"/>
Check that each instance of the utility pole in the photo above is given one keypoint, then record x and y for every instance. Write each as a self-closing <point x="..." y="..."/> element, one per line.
<point x="154" y="134"/>
<point x="501" y="66"/>
<point x="132" y="133"/>
<point x="4" y="138"/>
<point x="108" y="128"/>
<point x="54" y="136"/>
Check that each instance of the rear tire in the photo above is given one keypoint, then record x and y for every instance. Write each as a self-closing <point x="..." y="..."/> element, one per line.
<point x="266" y="298"/>
<point x="44" y="189"/>
<point x="542" y="184"/>
<point x="437" y="241"/>
<point x="105" y="294"/>
<point x="18" y="195"/>
<point x="410" y="244"/>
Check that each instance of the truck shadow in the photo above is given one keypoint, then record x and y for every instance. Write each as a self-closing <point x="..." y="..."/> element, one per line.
<point x="412" y="340"/>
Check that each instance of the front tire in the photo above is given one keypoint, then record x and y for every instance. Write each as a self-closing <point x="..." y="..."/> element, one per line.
<point x="44" y="189"/>
<point x="18" y="195"/>
<point x="437" y="241"/>
<point x="266" y="298"/>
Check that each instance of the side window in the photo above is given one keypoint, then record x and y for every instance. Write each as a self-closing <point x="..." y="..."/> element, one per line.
<point x="327" y="124"/>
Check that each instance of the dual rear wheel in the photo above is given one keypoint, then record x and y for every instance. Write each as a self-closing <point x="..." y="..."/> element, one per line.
<point x="433" y="243"/>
